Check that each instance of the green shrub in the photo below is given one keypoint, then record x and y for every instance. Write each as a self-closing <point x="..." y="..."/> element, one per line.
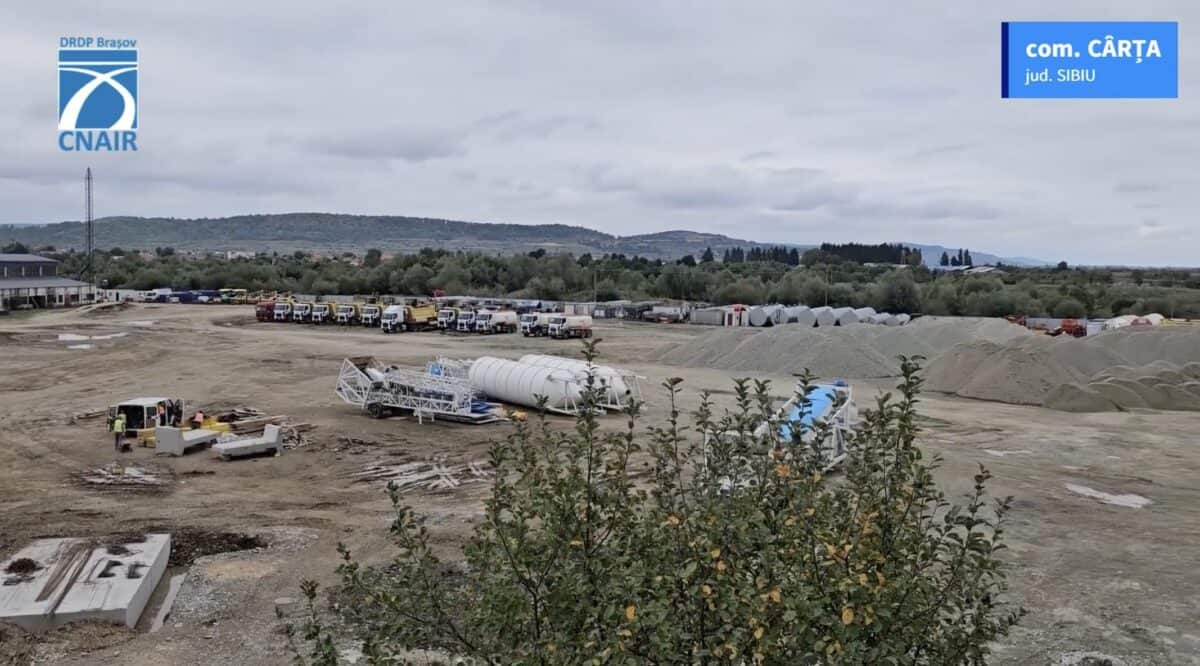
<point x="630" y="548"/>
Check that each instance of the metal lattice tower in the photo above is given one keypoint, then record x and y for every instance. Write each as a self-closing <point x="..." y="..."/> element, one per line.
<point x="88" y="273"/>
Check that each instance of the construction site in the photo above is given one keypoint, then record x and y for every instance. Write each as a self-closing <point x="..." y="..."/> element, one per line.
<point x="301" y="429"/>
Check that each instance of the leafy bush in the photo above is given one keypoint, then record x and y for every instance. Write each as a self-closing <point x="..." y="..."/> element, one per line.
<point x="701" y="543"/>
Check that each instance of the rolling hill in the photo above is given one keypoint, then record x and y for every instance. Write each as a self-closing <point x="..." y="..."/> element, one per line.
<point x="329" y="232"/>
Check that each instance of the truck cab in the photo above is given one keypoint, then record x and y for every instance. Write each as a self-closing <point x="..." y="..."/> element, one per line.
<point x="370" y="315"/>
<point x="320" y="313"/>
<point x="142" y="414"/>
<point x="535" y="323"/>
<point x="447" y="318"/>
<point x="465" y="322"/>
<point x="283" y="311"/>
<point x="393" y="319"/>
<point x="347" y="313"/>
<point x="301" y="311"/>
<point x="264" y="310"/>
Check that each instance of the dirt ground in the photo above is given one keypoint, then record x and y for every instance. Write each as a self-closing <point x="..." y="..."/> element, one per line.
<point x="1095" y="576"/>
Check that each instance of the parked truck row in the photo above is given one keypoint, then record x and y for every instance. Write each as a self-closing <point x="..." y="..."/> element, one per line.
<point x="401" y="318"/>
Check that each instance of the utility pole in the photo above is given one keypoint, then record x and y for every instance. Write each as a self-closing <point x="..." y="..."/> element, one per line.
<point x="89" y="241"/>
<point x="594" y="286"/>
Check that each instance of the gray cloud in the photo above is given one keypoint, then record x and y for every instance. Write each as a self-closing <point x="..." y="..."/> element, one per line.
<point x="398" y="143"/>
<point x="772" y="121"/>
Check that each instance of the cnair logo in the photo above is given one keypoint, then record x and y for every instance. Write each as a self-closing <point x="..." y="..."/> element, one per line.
<point x="97" y="95"/>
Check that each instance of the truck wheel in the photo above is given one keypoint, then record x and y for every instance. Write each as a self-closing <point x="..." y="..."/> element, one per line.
<point x="376" y="410"/>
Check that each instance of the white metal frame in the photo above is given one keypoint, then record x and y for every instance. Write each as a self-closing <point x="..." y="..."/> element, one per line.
<point x="427" y="396"/>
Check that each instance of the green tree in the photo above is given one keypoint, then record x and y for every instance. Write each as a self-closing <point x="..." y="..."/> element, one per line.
<point x="707" y="257"/>
<point x="1069" y="307"/>
<point x="746" y="290"/>
<point x="897" y="292"/>
<point x="372" y="258"/>
<point x="945" y="260"/>
<point x="737" y="549"/>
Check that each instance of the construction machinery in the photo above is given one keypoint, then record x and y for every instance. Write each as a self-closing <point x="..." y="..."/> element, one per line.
<point x="348" y="313"/>
<point x="301" y="311"/>
<point x="536" y="324"/>
<point x="392" y="320"/>
<point x="498" y="321"/>
<point x="370" y="314"/>
<point x="823" y="422"/>
<point x="400" y="318"/>
<point x="570" y="326"/>
<point x="264" y="310"/>
<point x="420" y="317"/>
<point x="447" y="318"/>
<point x="465" y="323"/>
<point x="234" y="296"/>
<point x="380" y="390"/>
<point x="283" y="310"/>
<point x="320" y="313"/>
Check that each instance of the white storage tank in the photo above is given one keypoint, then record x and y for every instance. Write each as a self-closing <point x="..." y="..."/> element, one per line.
<point x="823" y="316"/>
<point x="521" y="383"/>
<point x="802" y="316"/>
<point x="902" y="319"/>
<point x="864" y="314"/>
<point x="883" y="319"/>
<point x="607" y="377"/>
<point x="765" y="315"/>
<point x="845" y="316"/>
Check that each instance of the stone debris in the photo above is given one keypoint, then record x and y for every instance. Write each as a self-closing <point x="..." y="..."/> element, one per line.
<point x="126" y="477"/>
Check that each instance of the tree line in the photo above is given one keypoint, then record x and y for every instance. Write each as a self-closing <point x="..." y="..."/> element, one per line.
<point x="819" y="278"/>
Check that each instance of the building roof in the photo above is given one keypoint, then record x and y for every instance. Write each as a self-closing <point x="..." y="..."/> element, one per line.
<point x="39" y="283"/>
<point x="27" y="258"/>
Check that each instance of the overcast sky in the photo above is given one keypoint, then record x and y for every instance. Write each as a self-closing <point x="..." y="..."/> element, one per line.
<point x="785" y="122"/>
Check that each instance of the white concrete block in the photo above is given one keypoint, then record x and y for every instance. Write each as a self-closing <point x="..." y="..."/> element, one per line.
<point x="78" y="579"/>
<point x="271" y="440"/>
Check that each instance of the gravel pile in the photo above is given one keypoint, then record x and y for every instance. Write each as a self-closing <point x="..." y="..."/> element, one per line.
<point x="1122" y="369"/>
<point x="853" y="352"/>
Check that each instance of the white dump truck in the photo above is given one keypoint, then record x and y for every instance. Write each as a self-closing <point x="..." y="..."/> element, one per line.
<point x="320" y="313"/>
<point x="500" y="321"/>
<point x="535" y="324"/>
<point x="301" y="311"/>
<point x="282" y="311"/>
<point x="447" y="318"/>
<point x="570" y="326"/>
<point x="347" y="314"/>
<point x="465" y="323"/>
<point x="393" y="319"/>
<point x="370" y="315"/>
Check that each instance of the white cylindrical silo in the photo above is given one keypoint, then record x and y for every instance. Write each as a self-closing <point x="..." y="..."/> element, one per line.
<point x="883" y="319"/>
<point x="607" y="378"/>
<point x="864" y="314"/>
<point x="763" y="315"/>
<point x="902" y="319"/>
<point x="802" y="316"/>
<point x="823" y="316"/>
<point x="845" y="316"/>
<point x="777" y="314"/>
<point x="521" y="383"/>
